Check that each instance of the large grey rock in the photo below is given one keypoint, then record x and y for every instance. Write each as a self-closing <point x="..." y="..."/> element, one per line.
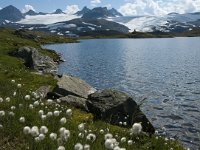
<point x="43" y="91"/>
<point x="68" y="85"/>
<point x="35" y="60"/>
<point x="75" y="101"/>
<point x="113" y="107"/>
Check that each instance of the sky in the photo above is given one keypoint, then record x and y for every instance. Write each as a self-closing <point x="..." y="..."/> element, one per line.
<point x="126" y="7"/>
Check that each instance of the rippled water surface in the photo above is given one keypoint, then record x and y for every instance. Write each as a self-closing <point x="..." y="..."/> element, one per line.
<point x="166" y="71"/>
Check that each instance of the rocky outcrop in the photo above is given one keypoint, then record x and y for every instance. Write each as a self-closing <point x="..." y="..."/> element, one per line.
<point x="68" y="85"/>
<point x="113" y="107"/>
<point x="43" y="91"/>
<point x="35" y="60"/>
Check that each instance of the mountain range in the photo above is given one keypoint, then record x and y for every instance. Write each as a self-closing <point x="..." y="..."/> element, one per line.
<point x="96" y="19"/>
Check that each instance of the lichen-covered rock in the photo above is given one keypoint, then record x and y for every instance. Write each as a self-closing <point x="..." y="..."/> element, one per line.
<point x="35" y="60"/>
<point x="113" y="107"/>
<point x="68" y="85"/>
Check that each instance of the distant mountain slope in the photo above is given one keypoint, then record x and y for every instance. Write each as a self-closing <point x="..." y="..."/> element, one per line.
<point x="83" y="11"/>
<point x="101" y="12"/>
<point x="30" y="13"/>
<point x="10" y="13"/>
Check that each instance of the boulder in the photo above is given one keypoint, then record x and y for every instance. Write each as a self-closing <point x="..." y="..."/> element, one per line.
<point x="43" y="91"/>
<point x="75" y="101"/>
<point x="113" y="107"/>
<point x="68" y="85"/>
<point x="35" y="60"/>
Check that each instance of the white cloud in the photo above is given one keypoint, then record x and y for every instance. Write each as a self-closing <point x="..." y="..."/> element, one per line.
<point x="109" y="6"/>
<point x="27" y="8"/>
<point x="95" y="2"/>
<point x="158" y="7"/>
<point x="71" y="9"/>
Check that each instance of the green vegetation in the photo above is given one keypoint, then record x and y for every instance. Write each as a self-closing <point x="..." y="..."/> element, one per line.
<point x="13" y="72"/>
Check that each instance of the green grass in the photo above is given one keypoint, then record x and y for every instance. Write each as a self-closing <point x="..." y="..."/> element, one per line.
<point x="11" y="135"/>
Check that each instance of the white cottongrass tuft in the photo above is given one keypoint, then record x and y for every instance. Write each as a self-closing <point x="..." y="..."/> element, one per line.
<point x="19" y="85"/>
<point x="101" y="131"/>
<point x="63" y="120"/>
<point x="110" y="143"/>
<point x="11" y="113"/>
<point x="123" y="139"/>
<point x="86" y="147"/>
<point x="136" y="128"/>
<point x="40" y="112"/>
<point x="22" y="119"/>
<point x="14" y="94"/>
<point x="91" y="137"/>
<point x="34" y="131"/>
<point x="7" y="99"/>
<point x="61" y="148"/>
<point x="43" y="117"/>
<point x="78" y="146"/>
<point x="49" y="101"/>
<point x="27" y="130"/>
<point x="20" y="105"/>
<point x="81" y="135"/>
<point x="12" y="81"/>
<point x="43" y="129"/>
<point x="41" y="136"/>
<point x="108" y="136"/>
<point x="1" y="99"/>
<point x="36" y="103"/>
<point x="1" y="126"/>
<point x="56" y="113"/>
<point x="49" y="114"/>
<point x="12" y="107"/>
<point x="31" y="106"/>
<point x="81" y="127"/>
<point x="130" y="142"/>
<point x="53" y="136"/>
<point x="69" y="112"/>
<point x="2" y="113"/>
<point x="27" y="97"/>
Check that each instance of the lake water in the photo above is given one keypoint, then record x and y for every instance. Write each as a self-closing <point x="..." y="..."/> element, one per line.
<point x="166" y="71"/>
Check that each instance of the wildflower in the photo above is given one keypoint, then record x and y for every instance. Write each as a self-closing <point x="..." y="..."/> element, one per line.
<point x="12" y="81"/>
<point x="1" y="99"/>
<point x="56" y="113"/>
<point x="37" y="139"/>
<point x="64" y="134"/>
<point x="12" y="107"/>
<point x="30" y="106"/>
<point x="14" y="94"/>
<point x="101" y="131"/>
<point x="43" y="129"/>
<point x="49" y="101"/>
<point x="53" y="136"/>
<point x="40" y="112"/>
<point x="123" y="139"/>
<point x="11" y="113"/>
<point x="19" y="85"/>
<point x="1" y="126"/>
<point x="69" y="112"/>
<point x="36" y="103"/>
<point x="2" y="113"/>
<point x="86" y="147"/>
<point x="22" y="119"/>
<point x="43" y="117"/>
<point x="63" y="120"/>
<point x="34" y="131"/>
<point x="41" y="137"/>
<point x="61" y="130"/>
<point x="49" y="114"/>
<point x="125" y="123"/>
<point x="61" y="148"/>
<point x="27" y="97"/>
<point x="81" y="127"/>
<point x="78" y="146"/>
<point x="109" y="143"/>
<point x="27" y="130"/>
<point x="108" y="136"/>
<point x="20" y="105"/>
<point x="7" y="99"/>
<point x="156" y="132"/>
<point x="58" y="101"/>
<point x="130" y="142"/>
<point x="81" y="135"/>
<point x="136" y="128"/>
<point x="120" y="123"/>
<point x="91" y="137"/>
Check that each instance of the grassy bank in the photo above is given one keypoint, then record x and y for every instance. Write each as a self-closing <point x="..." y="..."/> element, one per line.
<point x="20" y="107"/>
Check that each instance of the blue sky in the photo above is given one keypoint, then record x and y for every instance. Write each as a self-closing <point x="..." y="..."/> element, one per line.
<point x="126" y="7"/>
